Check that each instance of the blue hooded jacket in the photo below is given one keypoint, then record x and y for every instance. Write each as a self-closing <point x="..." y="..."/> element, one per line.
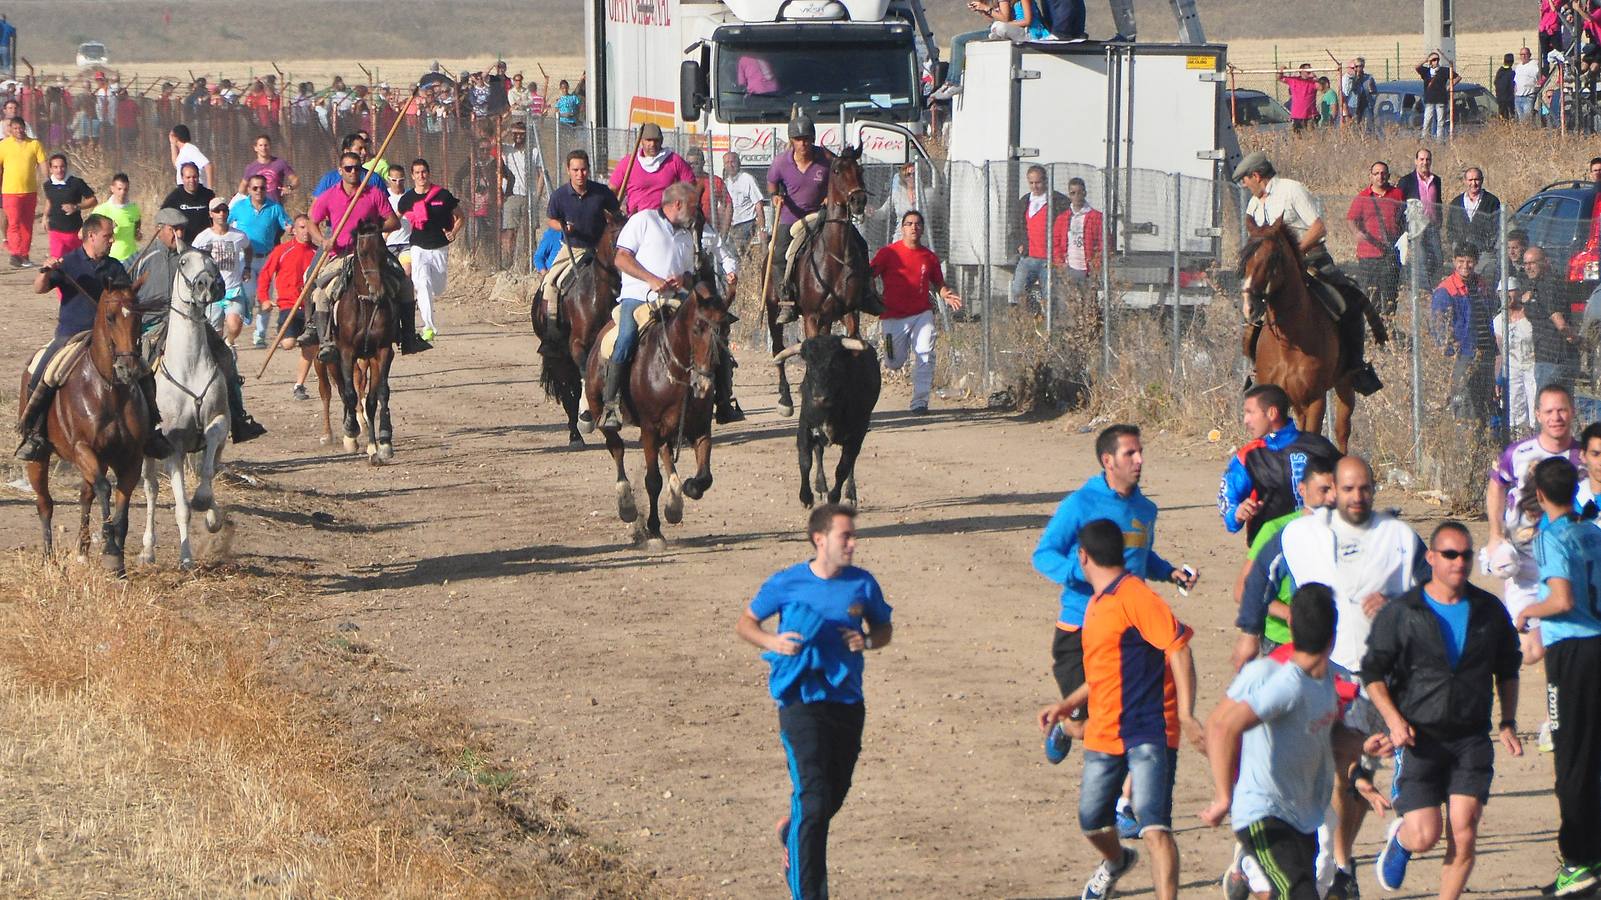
<point x="1056" y="557"/>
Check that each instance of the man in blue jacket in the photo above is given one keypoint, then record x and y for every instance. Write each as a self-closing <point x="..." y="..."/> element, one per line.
<point x="1259" y="484"/>
<point x="1113" y="494"/>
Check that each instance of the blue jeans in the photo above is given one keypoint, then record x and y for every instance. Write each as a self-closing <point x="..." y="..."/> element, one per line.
<point x="959" y="53"/>
<point x="627" y="331"/>
<point x="1525" y="107"/>
<point x="1030" y="271"/>
<point x="1152" y="766"/>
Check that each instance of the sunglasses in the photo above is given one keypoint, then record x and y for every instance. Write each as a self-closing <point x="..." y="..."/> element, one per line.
<point x="257" y="190"/>
<point x="349" y="168"/>
<point x="1453" y="554"/>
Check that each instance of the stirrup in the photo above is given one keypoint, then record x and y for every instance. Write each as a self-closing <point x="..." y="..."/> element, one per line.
<point x="307" y="337"/>
<point x="34" y="448"/>
<point x="786" y="312"/>
<point x="728" y="413"/>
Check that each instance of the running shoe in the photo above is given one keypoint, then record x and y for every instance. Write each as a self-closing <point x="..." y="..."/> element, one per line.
<point x="1544" y="741"/>
<point x="1127" y="826"/>
<point x="25" y="263"/>
<point x="1103" y="884"/>
<point x="1345" y="886"/>
<point x="428" y="334"/>
<point x="1057" y="744"/>
<point x="299" y="393"/>
<point x="1236" y="885"/>
<point x="1571" y="881"/>
<point x="260" y="343"/>
<point x="1391" y="864"/>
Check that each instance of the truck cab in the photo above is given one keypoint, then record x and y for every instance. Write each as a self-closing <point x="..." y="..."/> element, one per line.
<point x="737" y="69"/>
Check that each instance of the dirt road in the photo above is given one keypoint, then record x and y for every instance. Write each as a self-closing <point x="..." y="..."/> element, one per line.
<point x="488" y="562"/>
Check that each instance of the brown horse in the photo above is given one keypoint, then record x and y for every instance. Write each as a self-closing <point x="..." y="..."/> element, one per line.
<point x="1299" y="346"/>
<point x="365" y="328"/>
<point x="668" y="393"/>
<point x="98" y="420"/>
<point x="584" y="309"/>
<point x="830" y="277"/>
<point x="327" y="377"/>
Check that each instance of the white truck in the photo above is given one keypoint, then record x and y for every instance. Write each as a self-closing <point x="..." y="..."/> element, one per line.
<point x="737" y="68"/>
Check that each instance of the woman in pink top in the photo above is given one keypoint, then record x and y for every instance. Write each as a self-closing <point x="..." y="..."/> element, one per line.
<point x="649" y="172"/>
<point x="1303" y="96"/>
<point x="755" y="75"/>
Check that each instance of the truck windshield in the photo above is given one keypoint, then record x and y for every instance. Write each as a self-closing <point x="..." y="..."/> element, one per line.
<point x="760" y="83"/>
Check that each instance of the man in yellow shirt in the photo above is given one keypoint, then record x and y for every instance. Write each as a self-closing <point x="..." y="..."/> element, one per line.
<point x="21" y="165"/>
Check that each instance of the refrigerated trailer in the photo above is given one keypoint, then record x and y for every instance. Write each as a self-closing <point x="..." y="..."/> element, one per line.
<point x="735" y="69"/>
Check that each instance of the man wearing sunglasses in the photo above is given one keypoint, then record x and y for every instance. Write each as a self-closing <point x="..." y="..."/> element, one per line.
<point x="1438" y="657"/>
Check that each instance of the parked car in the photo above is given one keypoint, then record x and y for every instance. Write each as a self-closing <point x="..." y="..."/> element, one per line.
<point x="1256" y="109"/>
<point x="1559" y="220"/>
<point x="1400" y="103"/>
<point x="91" y="53"/>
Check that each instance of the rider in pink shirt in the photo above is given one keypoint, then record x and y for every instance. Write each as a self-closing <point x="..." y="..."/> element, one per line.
<point x="653" y="168"/>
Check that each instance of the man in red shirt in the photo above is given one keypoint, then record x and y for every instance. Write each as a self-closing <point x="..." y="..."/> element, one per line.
<point x="1378" y="217"/>
<point x="283" y="276"/>
<point x="910" y="271"/>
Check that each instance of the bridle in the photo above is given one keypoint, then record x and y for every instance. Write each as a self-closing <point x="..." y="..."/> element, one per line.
<point x="195" y="311"/>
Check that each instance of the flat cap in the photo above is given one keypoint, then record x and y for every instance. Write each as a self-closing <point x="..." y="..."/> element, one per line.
<point x="169" y="216"/>
<point x="1252" y="161"/>
<point x="650" y="131"/>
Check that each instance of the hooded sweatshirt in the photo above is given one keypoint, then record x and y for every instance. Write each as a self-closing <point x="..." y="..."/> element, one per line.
<point x="1056" y="557"/>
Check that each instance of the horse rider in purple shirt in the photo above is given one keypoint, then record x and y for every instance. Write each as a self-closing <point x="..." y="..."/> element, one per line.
<point x="798" y="182"/>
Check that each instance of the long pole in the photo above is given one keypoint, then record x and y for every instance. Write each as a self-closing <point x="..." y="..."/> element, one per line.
<point x="350" y="205"/>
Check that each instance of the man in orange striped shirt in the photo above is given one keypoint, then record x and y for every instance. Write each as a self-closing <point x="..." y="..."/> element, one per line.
<point x="1140" y="688"/>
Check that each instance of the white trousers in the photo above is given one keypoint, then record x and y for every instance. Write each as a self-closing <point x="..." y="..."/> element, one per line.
<point x="913" y="336"/>
<point x="428" y="280"/>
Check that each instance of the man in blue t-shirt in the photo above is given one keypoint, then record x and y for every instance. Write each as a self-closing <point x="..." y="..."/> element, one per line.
<point x="1568" y="551"/>
<point x="816" y="678"/>
<point x="1275" y="728"/>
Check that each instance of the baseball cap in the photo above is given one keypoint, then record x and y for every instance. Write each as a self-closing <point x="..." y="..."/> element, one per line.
<point x="217" y="203"/>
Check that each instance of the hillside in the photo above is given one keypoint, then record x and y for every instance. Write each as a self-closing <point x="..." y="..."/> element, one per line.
<point x="49" y="32"/>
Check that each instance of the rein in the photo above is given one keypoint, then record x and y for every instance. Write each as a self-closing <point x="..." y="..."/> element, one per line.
<point x="187" y="309"/>
<point x="115" y="353"/>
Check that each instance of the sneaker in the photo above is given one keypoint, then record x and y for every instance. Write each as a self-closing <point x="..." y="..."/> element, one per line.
<point x="1057" y="744"/>
<point x="1391" y="864"/>
<point x="1103" y="883"/>
<point x="1119" y="39"/>
<point x="299" y="393"/>
<point x="429" y="334"/>
<point x="260" y="343"/>
<point x="1235" y="883"/>
<point x="1544" y="741"/>
<point x="944" y="92"/>
<point x="1344" y="887"/>
<point x="1078" y="38"/>
<point x="1128" y="827"/>
<point x="919" y="408"/>
<point x="25" y="263"/>
<point x="1571" y="880"/>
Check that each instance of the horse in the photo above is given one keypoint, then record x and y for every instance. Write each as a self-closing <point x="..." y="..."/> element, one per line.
<point x="831" y="274"/>
<point x="98" y="420"/>
<point x="669" y="393"/>
<point x="326" y="378"/>
<point x="365" y="328"/>
<point x="1298" y="348"/>
<point x="584" y="309"/>
<point x="194" y="408"/>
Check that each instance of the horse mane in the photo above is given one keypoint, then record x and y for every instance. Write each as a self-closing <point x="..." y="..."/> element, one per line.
<point x="1268" y="233"/>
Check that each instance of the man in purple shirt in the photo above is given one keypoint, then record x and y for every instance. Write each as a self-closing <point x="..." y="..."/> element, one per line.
<point x="798" y="182"/>
<point x="368" y="205"/>
<point x="280" y="176"/>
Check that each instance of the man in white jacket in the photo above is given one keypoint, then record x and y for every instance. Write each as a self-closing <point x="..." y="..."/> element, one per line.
<point x="1368" y="558"/>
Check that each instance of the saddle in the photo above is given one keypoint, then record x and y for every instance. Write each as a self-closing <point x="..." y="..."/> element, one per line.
<point x="59" y="364"/>
<point x="646" y="316"/>
<point x="561" y="275"/>
<point x="802" y="233"/>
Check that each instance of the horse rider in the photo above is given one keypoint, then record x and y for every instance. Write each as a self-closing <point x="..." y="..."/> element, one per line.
<point x="655" y="256"/>
<point x="649" y="172"/>
<point x="370" y="205"/>
<point x="157" y="264"/>
<point x="1275" y="198"/>
<point x="798" y="181"/>
<point x="577" y="209"/>
<point x="80" y="276"/>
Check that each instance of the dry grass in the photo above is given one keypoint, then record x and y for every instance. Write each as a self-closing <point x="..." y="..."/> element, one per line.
<point x="202" y="736"/>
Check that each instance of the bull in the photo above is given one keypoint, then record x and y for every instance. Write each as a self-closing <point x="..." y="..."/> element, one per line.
<point x="837" y="399"/>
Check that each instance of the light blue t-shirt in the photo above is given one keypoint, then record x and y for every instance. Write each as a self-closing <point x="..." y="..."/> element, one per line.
<point x="845" y="601"/>
<point x="1453" y="620"/>
<point x="1568" y="548"/>
<point x="1286" y="763"/>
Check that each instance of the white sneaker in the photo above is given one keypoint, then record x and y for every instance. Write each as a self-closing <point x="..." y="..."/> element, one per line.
<point x="944" y="91"/>
<point x="1103" y="884"/>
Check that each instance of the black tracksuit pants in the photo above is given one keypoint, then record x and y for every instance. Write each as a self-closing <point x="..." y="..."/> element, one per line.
<point x="1573" y="672"/>
<point x="821" y="742"/>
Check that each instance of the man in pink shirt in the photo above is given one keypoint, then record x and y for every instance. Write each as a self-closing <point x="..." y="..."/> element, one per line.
<point x="755" y="75"/>
<point x="368" y="205"/>
<point x="649" y="172"/>
<point x="1303" y="95"/>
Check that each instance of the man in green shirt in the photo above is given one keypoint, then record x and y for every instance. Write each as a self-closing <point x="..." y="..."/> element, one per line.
<point x="124" y="214"/>
<point x="1264" y="588"/>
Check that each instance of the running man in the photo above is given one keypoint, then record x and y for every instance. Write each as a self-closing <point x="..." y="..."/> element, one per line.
<point x="1259" y="484"/>
<point x="815" y="661"/>
<point x="1264" y="593"/>
<point x="1140" y="694"/>
<point x="436" y="220"/>
<point x="910" y="271"/>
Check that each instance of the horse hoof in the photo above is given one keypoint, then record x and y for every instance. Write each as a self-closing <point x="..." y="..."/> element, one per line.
<point x="202" y="503"/>
<point x="673" y="509"/>
<point x="147" y="558"/>
<point x="587" y="426"/>
<point x="325" y="440"/>
<point x="350" y="445"/>
<point x="386" y="452"/>
<point x="693" y="489"/>
<point x="655" y="545"/>
<point x="213" y="521"/>
<point x="575" y="443"/>
<point x="626" y="510"/>
<point x="112" y="562"/>
<point x="786" y="410"/>
<point x="186" y="565"/>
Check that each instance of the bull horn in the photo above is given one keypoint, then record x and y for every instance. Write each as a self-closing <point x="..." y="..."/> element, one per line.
<point x="852" y="344"/>
<point x="786" y="353"/>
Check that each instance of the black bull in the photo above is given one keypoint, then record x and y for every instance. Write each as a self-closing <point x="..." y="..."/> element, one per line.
<point x="838" y="394"/>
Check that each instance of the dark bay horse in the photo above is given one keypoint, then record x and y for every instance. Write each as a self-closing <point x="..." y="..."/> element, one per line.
<point x="365" y="328"/>
<point x="669" y="394"/>
<point x="1299" y="345"/>
<point x="830" y="277"/>
<point x="585" y="308"/>
<point x="99" y="421"/>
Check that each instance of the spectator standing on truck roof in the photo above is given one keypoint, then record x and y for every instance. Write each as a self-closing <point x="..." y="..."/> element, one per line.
<point x="1017" y="21"/>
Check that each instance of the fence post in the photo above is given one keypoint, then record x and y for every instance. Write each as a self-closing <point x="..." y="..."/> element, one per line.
<point x="1050" y="242"/>
<point x="1502" y="288"/>
<point x="1178" y="225"/>
<point x="1106" y="272"/>
<point x="1413" y="247"/>
<point x="984" y="281"/>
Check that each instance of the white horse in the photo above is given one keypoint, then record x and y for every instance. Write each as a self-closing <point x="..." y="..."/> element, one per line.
<point x="194" y="407"/>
